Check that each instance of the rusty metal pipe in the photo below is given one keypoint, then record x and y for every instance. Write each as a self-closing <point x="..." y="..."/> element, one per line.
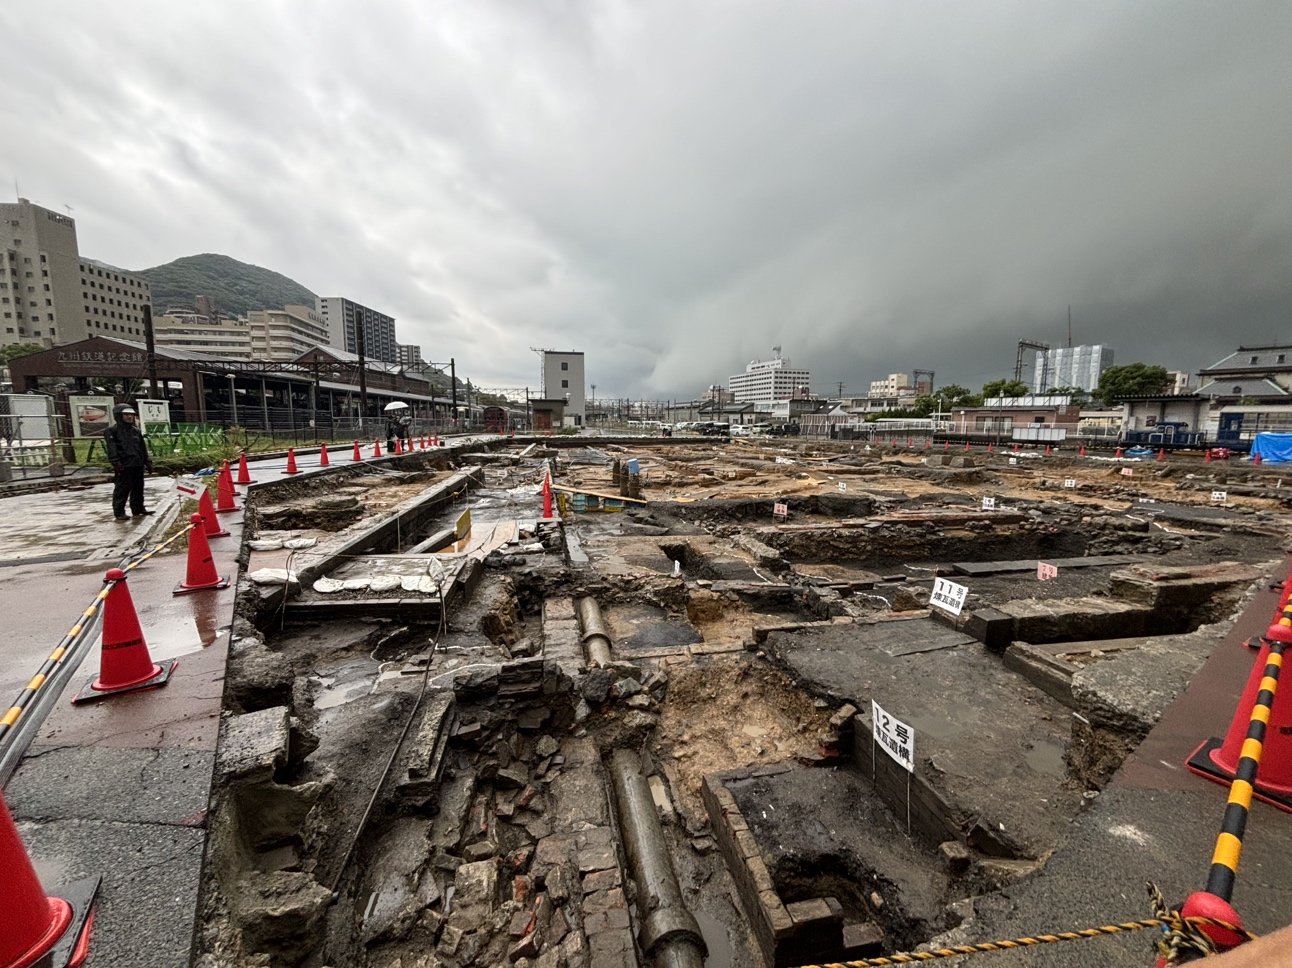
<point x="596" y="637"/>
<point x="669" y="933"/>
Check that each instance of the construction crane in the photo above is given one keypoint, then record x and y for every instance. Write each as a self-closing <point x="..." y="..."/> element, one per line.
<point x="918" y="382"/>
<point x="1025" y="345"/>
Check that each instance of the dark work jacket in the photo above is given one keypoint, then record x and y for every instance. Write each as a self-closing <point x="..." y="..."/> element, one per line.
<point x="126" y="446"/>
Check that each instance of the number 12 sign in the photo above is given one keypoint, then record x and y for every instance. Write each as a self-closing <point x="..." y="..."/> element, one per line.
<point x="894" y="737"/>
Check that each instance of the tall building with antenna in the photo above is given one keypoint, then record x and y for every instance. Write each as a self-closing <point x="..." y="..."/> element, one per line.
<point x="767" y="380"/>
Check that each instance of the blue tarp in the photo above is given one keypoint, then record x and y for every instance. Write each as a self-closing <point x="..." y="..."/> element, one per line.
<point x="1273" y="448"/>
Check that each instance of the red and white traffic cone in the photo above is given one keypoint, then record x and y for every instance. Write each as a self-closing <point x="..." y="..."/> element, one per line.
<point x="124" y="662"/>
<point x="1083" y="451"/>
<point x="39" y="929"/>
<point x="210" y="522"/>
<point x="966" y="445"/>
<point x="244" y="475"/>
<point x="357" y="455"/>
<point x="200" y="574"/>
<point x="291" y="462"/>
<point x="224" y="502"/>
<point x="1256" y="457"/>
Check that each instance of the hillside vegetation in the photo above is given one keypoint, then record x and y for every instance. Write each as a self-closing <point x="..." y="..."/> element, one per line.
<point x="235" y="286"/>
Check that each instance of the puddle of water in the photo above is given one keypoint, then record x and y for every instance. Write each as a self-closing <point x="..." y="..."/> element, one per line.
<point x="721" y="954"/>
<point x="1046" y="758"/>
<point x="344" y="683"/>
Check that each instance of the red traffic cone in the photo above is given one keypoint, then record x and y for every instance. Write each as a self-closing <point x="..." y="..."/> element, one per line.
<point x="291" y="462"/>
<point x="946" y="445"/>
<point x="909" y="442"/>
<point x="547" y="495"/>
<point x="244" y="476"/>
<point x="224" y="492"/>
<point x="376" y="448"/>
<point x="928" y="443"/>
<point x="40" y="929"/>
<point x="210" y="522"/>
<point x="1206" y="457"/>
<point x="357" y="455"/>
<point x="323" y="458"/>
<point x="1118" y="455"/>
<point x="1218" y="760"/>
<point x="1161" y="454"/>
<point x="435" y="441"/>
<point x="1083" y="450"/>
<point x="201" y="574"/>
<point x="1256" y="457"/>
<point x="966" y="445"/>
<point x="124" y="662"/>
<point x="1047" y="450"/>
<point x="989" y="447"/>
<point x="1016" y="448"/>
<point x="399" y="445"/>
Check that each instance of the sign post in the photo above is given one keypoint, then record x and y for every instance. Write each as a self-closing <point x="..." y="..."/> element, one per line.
<point x="948" y="596"/>
<point x="897" y="739"/>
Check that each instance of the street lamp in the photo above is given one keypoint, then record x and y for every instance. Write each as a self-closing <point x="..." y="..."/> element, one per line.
<point x="233" y="401"/>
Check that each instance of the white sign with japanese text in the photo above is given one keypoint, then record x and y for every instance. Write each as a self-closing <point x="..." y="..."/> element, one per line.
<point x="989" y="504"/>
<point x="894" y="737"/>
<point x="948" y="596"/>
<point x="1219" y="497"/>
<point x="780" y="510"/>
<point x="1069" y="482"/>
<point x="1127" y="472"/>
<point x="843" y="486"/>
<point x="1045" y="572"/>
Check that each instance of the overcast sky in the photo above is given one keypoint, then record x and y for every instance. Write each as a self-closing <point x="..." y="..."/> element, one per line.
<point x="676" y="187"/>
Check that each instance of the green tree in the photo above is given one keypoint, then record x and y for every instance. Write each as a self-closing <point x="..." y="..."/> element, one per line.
<point x="1079" y="396"/>
<point x="1133" y="379"/>
<point x="954" y="395"/>
<point x="15" y="350"/>
<point x="1005" y="388"/>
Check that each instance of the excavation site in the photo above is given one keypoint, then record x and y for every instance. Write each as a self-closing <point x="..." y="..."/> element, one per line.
<point x="563" y="702"/>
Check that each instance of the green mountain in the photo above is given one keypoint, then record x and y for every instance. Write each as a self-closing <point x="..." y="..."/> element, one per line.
<point x="235" y="286"/>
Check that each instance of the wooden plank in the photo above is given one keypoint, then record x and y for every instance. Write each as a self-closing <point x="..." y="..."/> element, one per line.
<point x="611" y="497"/>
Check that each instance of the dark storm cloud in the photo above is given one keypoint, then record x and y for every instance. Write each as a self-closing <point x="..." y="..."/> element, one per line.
<point x="676" y="187"/>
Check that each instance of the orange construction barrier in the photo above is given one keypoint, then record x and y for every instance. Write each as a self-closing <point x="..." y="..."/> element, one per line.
<point x="323" y="458"/>
<point x="291" y="462"/>
<point x="210" y="523"/>
<point x="124" y="662"/>
<point x="224" y="492"/>
<point x="244" y="475"/>
<point x="200" y="574"/>
<point x="39" y="929"/>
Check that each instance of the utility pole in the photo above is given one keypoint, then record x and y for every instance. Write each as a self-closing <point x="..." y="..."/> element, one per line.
<point x="453" y="383"/>
<point x="363" y="372"/>
<point x="152" y="350"/>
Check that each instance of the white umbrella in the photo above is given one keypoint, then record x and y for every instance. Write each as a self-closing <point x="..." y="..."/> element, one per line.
<point x="397" y="405"/>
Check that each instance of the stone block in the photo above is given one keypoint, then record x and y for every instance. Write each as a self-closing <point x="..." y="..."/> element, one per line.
<point x="254" y="745"/>
<point x="475" y="894"/>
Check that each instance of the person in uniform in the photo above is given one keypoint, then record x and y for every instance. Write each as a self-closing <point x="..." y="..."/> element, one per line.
<point x="128" y="454"/>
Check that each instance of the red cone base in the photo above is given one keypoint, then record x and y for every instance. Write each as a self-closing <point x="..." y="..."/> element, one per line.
<point x="1218" y="759"/>
<point x="244" y="476"/>
<point x="201" y="574"/>
<point x="209" y="521"/>
<point x="39" y="930"/>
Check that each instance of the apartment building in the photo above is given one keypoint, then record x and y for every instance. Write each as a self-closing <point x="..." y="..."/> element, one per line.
<point x="344" y="318"/>
<point x="891" y="386"/>
<point x="206" y="332"/>
<point x="766" y="380"/>
<point x="284" y="334"/>
<point x="409" y="354"/>
<point x="563" y="380"/>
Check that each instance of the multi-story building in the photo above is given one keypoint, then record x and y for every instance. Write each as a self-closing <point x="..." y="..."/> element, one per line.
<point x="766" y="380"/>
<point x="409" y="354"/>
<point x="284" y="334"/>
<point x="1181" y="380"/>
<point x="113" y="301"/>
<point x="1070" y="366"/>
<point x="212" y="332"/>
<point x="891" y="385"/>
<point x="344" y="318"/>
<point x="563" y="380"/>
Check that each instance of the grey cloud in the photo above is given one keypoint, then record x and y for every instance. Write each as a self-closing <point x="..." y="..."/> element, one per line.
<point x="675" y="187"/>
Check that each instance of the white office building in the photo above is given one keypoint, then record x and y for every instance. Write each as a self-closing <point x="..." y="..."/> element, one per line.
<point x="563" y="380"/>
<point x="767" y="380"/>
<point x="891" y="385"/>
<point x="1070" y="366"/>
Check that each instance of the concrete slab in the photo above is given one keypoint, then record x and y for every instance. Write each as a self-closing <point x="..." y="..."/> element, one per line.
<point x="1004" y="567"/>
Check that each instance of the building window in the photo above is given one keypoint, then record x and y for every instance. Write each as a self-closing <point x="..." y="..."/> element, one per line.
<point x="565" y="384"/>
<point x="565" y="366"/>
<point x="1255" y="358"/>
<point x="1282" y="357"/>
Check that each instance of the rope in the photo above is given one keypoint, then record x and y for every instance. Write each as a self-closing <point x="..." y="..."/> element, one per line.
<point x="908" y="958"/>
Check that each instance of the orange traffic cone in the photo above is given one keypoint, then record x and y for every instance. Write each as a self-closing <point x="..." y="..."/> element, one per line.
<point x="1206" y="457"/>
<point x="244" y="476"/>
<point x="376" y="448"/>
<point x="1161" y="454"/>
<point x="989" y="447"/>
<point x="1083" y="450"/>
<point x="357" y="455"/>
<point x="40" y="929"/>
<point x="966" y="445"/>
<point x="201" y="574"/>
<point x="1016" y="448"/>
<point x="1218" y="760"/>
<point x="547" y="495"/>
<point x="224" y="492"/>
<point x="435" y="441"/>
<point x="946" y="445"/>
<point x="1256" y="457"/>
<point x="291" y="462"/>
<point x="124" y="662"/>
<point x="210" y="522"/>
<point x="1047" y="450"/>
<point x="399" y="446"/>
<point x="1118" y="455"/>
<point x="323" y="458"/>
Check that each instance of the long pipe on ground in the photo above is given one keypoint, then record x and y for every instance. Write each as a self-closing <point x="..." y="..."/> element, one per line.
<point x="596" y="638"/>
<point x="669" y="932"/>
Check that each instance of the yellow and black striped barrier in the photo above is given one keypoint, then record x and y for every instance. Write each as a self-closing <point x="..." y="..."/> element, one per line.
<point x="1229" y="845"/>
<point x="48" y="667"/>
